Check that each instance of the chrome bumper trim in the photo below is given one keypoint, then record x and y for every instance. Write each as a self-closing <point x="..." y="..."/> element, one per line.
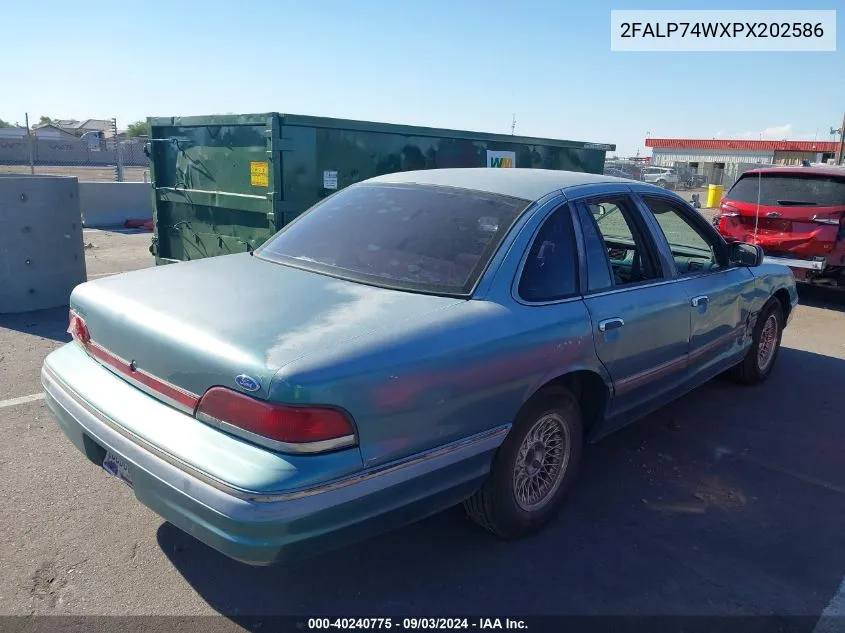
<point x="809" y="264"/>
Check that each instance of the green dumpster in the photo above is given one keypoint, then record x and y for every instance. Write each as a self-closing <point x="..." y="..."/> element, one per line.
<point x="226" y="183"/>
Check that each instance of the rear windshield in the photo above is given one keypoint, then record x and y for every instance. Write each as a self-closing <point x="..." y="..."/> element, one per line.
<point x="411" y="237"/>
<point x="790" y="190"/>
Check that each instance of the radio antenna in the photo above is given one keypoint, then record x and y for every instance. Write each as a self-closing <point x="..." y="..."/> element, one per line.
<point x="757" y="214"/>
<point x="513" y="123"/>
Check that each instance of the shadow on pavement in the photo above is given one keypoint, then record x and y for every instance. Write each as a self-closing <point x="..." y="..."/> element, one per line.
<point x="50" y="323"/>
<point x="729" y="501"/>
<point x="821" y="297"/>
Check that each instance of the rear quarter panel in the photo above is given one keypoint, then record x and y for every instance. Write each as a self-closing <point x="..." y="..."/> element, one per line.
<point x="443" y="377"/>
<point x="446" y="375"/>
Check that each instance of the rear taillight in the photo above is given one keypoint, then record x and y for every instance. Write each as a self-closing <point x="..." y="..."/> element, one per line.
<point x="728" y="210"/>
<point x="77" y="328"/>
<point x="832" y="219"/>
<point x="281" y="427"/>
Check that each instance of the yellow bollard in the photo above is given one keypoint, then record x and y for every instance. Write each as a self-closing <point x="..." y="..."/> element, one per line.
<point x="714" y="195"/>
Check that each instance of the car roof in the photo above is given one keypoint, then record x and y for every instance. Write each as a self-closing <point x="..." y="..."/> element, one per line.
<point x="817" y="170"/>
<point x="527" y="184"/>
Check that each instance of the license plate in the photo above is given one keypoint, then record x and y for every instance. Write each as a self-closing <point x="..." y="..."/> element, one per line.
<point x="116" y="467"/>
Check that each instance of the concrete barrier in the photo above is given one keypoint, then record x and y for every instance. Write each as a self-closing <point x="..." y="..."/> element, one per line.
<point x="112" y="203"/>
<point x="42" y="256"/>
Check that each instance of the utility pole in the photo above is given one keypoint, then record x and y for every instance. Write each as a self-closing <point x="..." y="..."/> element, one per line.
<point x="29" y="142"/>
<point x="118" y="167"/>
<point x="839" y="151"/>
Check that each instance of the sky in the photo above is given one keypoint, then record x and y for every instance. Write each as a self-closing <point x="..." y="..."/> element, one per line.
<point x="461" y="64"/>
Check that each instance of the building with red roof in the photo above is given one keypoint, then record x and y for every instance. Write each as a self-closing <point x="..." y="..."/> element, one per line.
<point x="669" y="151"/>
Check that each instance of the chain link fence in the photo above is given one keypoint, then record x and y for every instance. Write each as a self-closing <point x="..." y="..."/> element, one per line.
<point x="95" y="150"/>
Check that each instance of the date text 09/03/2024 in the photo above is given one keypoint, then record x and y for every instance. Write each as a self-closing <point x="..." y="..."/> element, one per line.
<point x="413" y="624"/>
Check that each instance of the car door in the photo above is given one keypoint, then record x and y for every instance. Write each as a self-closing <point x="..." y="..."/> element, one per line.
<point x="640" y="318"/>
<point x="718" y="293"/>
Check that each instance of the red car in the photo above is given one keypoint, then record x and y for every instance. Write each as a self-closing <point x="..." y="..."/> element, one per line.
<point x="797" y="214"/>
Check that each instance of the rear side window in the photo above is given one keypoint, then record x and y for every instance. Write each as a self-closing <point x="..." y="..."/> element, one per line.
<point x="411" y="237"/>
<point x="550" y="272"/>
<point x="790" y="190"/>
<point x="614" y="233"/>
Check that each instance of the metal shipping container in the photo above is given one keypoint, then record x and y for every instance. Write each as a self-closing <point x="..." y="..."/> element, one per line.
<point x="226" y="183"/>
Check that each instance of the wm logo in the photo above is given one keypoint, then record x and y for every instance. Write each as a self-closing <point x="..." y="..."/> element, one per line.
<point x="501" y="162"/>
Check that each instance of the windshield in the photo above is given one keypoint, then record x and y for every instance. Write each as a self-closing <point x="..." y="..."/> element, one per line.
<point x="410" y="237"/>
<point x="790" y="190"/>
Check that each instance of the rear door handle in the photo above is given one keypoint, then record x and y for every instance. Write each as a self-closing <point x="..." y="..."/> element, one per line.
<point x="699" y="301"/>
<point x="610" y="324"/>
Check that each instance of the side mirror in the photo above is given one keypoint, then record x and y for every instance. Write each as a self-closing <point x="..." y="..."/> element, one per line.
<point x="744" y="254"/>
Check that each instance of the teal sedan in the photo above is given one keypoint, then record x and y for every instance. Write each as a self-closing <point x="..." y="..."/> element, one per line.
<point x="411" y="342"/>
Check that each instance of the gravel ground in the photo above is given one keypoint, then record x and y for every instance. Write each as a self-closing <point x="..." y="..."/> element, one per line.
<point x="109" y="252"/>
<point x="729" y="501"/>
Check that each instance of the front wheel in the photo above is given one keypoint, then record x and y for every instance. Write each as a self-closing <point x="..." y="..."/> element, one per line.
<point x="533" y="469"/>
<point x="765" y="345"/>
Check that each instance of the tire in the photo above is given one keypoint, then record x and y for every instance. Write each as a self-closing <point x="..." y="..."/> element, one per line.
<point x="498" y="505"/>
<point x="662" y="183"/>
<point x="756" y="367"/>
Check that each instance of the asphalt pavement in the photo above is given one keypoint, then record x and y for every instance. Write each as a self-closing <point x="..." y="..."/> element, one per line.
<point x="729" y="501"/>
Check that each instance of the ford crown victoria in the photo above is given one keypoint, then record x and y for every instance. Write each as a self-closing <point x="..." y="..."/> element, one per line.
<point x="412" y="342"/>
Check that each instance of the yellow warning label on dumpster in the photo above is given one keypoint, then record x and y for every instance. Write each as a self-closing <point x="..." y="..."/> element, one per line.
<point x="259" y="174"/>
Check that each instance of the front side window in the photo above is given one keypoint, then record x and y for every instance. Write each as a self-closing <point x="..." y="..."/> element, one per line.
<point x="550" y="272"/>
<point x="411" y="237"/>
<point x="692" y="250"/>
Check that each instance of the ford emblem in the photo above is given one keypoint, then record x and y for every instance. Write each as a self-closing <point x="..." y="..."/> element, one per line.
<point x="247" y="382"/>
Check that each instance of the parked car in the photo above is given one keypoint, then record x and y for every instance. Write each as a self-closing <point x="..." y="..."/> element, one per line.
<point x="665" y="177"/>
<point x="615" y="172"/>
<point x="624" y="169"/>
<point x="411" y="342"/>
<point x="796" y="214"/>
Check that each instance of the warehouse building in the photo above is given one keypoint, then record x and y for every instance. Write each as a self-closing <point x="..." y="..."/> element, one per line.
<point x="668" y="151"/>
<point x="721" y="161"/>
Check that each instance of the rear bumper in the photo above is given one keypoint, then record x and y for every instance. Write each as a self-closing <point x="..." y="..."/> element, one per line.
<point x="807" y="264"/>
<point x="267" y="528"/>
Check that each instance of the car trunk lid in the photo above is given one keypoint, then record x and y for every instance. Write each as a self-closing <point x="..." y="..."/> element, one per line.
<point x="199" y="324"/>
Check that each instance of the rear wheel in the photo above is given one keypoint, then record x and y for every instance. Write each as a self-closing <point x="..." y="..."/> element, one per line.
<point x="533" y="469"/>
<point x="662" y="183"/>
<point x="765" y="345"/>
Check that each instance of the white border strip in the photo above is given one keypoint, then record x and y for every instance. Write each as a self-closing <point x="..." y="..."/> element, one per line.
<point x="722" y="30"/>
